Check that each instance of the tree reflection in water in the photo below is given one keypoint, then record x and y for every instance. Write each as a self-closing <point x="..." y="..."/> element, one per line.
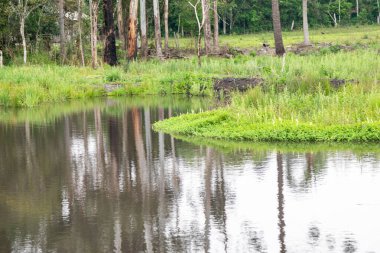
<point x="102" y="181"/>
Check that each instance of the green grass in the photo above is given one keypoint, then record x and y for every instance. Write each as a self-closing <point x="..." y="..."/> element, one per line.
<point x="31" y="86"/>
<point x="349" y="114"/>
<point x="343" y="35"/>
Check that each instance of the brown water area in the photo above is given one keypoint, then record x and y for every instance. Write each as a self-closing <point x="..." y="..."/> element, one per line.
<point x="100" y="180"/>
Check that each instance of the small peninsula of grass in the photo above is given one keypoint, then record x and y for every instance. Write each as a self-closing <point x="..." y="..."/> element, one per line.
<point x="348" y="115"/>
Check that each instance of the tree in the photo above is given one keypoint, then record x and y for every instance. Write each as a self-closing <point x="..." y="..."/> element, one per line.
<point x="280" y="50"/>
<point x="216" y="26"/>
<point x="109" y="32"/>
<point x="132" y="29"/>
<point x="23" y="8"/>
<point x="306" y="39"/>
<point x="80" y="2"/>
<point x="200" y="27"/>
<point x="157" y="28"/>
<point x="94" y="6"/>
<point x="62" y="35"/>
<point x="207" y="25"/>
<point x="166" y="24"/>
<point x="121" y="25"/>
<point x="143" y="28"/>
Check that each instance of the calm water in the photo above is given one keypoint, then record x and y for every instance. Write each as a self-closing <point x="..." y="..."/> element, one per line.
<point x="100" y="180"/>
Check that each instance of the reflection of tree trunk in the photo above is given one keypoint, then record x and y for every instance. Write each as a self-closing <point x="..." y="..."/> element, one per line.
<point x="126" y="153"/>
<point x="280" y="198"/>
<point x="207" y="200"/>
<point x="143" y="177"/>
<point x="148" y="136"/>
<point x="100" y="157"/>
<point x="161" y="185"/>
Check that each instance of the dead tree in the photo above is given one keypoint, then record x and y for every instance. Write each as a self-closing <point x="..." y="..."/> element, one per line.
<point x="200" y="27"/>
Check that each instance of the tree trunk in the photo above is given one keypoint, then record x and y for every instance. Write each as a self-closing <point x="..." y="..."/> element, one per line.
<point x="207" y="25"/>
<point x="378" y="10"/>
<point x="306" y="39"/>
<point x="1" y="59"/>
<point x="94" y="6"/>
<point x="132" y="30"/>
<point x="143" y="29"/>
<point x="109" y="31"/>
<point x="121" y="25"/>
<point x="339" y="10"/>
<point x="166" y="21"/>
<point x="216" y="27"/>
<point x="224" y="24"/>
<point x="157" y="28"/>
<point x="280" y="50"/>
<point x="357" y="8"/>
<point x="22" y="32"/>
<point x="231" y="17"/>
<point x="80" y="32"/>
<point x="61" y="6"/>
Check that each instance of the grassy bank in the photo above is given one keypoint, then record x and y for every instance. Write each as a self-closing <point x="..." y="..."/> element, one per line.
<point x="351" y="113"/>
<point x="30" y="86"/>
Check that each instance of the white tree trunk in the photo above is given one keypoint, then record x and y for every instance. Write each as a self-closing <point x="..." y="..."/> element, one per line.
<point x="62" y="34"/>
<point x="357" y="8"/>
<point x="166" y="20"/>
<point x="306" y="39"/>
<point x="94" y="5"/>
<point x="22" y="32"/>
<point x="216" y="27"/>
<point x="80" y="32"/>
<point x="143" y="28"/>
<point x="157" y="28"/>
<point x="1" y="59"/>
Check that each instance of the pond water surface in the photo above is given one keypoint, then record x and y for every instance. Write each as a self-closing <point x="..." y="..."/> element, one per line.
<point x="100" y="180"/>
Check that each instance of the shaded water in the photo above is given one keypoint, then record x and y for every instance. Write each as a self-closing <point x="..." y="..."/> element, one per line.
<point x="100" y="180"/>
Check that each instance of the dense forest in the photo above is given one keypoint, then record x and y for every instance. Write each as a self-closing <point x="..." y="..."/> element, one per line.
<point x="70" y="29"/>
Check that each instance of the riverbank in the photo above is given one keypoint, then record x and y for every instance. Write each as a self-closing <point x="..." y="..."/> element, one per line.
<point x="31" y="86"/>
<point x="351" y="113"/>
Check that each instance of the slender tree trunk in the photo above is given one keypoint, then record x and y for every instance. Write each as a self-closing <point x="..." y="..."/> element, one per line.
<point x="216" y="27"/>
<point x="306" y="39"/>
<point x="22" y="32"/>
<point x="207" y="25"/>
<point x="94" y="6"/>
<point x="80" y="32"/>
<point x="231" y="21"/>
<point x="109" y="31"/>
<point x="61" y="6"/>
<point x="166" y="21"/>
<point x="1" y="59"/>
<point x="143" y="29"/>
<point x="280" y="50"/>
<point x="378" y="9"/>
<point x="339" y="10"/>
<point x="157" y="28"/>
<point x="224" y="24"/>
<point x="357" y="8"/>
<point x="132" y="30"/>
<point x="121" y="25"/>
